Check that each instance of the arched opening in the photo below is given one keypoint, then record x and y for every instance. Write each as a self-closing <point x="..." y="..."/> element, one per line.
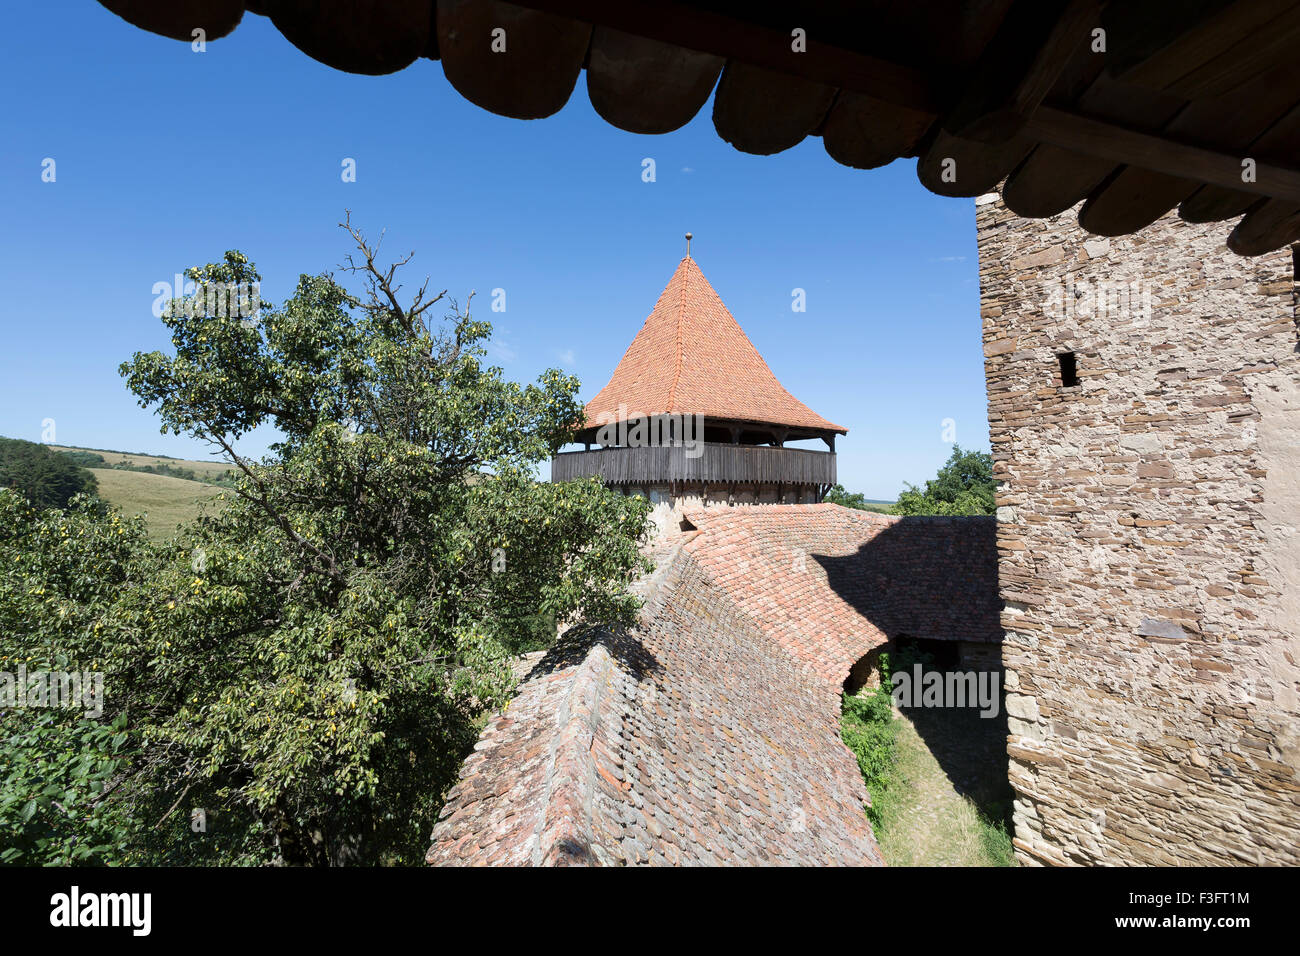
<point x="865" y="675"/>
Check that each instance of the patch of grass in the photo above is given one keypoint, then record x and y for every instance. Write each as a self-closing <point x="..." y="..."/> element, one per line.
<point x="997" y="842"/>
<point x="919" y="817"/>
<point x="924" y="821"/>
<point x="165" y="502"/>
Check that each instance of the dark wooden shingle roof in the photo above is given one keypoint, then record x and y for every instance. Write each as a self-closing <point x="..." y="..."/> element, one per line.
<point x="1136" y="106"/>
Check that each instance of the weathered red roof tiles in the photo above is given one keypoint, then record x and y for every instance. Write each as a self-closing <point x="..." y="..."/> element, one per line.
<point x="710" y="733"/>
<point x="830" y="583"/>
<point x="692" y="358"/>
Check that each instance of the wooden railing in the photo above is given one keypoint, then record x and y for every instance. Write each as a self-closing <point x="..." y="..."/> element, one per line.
<point x="720" y="462"/>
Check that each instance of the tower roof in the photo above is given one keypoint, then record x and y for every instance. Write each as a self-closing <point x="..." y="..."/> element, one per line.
<point x="692" y="358"/>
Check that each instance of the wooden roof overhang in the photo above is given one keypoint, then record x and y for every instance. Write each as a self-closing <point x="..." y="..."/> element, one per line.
<point x="1187" y="103"/>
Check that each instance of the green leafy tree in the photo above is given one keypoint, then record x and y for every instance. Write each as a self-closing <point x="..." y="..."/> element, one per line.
<point x="838" y="496"/>
<point x="60" y="573"/>
<point x="46" y="479"/>
<point x="869" y="730"/>
<point x="963" y="486"/>
<point x="308" y="665"/>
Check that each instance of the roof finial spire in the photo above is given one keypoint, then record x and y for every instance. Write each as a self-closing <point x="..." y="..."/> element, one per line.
<point x="688" y="245"/>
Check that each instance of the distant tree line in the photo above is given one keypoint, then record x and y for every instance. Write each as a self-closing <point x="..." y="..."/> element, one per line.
<point x="86" y="459"/>
<point x="838" y="495"/>
<point x="963" y="486"/>
<point x="90" y="459"/>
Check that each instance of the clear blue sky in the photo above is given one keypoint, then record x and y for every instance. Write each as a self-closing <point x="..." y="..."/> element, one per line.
<point x="166" y="158"/>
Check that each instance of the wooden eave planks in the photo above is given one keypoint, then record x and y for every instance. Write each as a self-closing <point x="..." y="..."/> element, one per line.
<point x="1159" y="128"/>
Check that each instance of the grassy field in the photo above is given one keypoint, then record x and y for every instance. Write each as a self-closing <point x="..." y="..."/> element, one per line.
<point x="208" y="469"/>
<point x="165" y="502"/>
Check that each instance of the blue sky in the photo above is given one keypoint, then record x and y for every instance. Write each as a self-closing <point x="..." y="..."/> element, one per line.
<point x="166" y="158"/>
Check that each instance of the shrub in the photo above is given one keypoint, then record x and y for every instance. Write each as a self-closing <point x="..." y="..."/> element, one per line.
<point x="870" y="731"/>
<point x="60" y="772"/>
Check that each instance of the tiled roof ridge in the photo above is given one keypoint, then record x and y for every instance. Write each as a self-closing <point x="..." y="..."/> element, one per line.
<point x="704" y="518"/>
<point x="564" y="831"/>
<point x="681" y="317"/>
<point x="680" y="569"/>
<point x="577" y="709"/>
<point x="680" y="561"/>
<point x="586" y="737"/>
<point x="649" y="587"/>
<point x="701" y="517"/>
<point x="683" y="554"/>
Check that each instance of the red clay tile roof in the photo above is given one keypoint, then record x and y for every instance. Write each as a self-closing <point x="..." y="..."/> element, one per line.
<point x="692" y="358"/>
<point x="693" y="740"/>
<point x="829" y="583"/>
<point x="710" y="733"/>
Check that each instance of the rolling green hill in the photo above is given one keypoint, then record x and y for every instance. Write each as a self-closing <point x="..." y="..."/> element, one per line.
<point x="208" y="470"/>
<point x="164" y="501"/>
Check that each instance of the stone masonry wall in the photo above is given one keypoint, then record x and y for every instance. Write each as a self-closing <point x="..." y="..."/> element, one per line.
<point x="669" y="505"/>
<point x="1148" y="552"/>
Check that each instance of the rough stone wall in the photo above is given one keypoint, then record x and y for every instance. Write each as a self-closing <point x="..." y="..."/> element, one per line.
<point x="1148" y="553"/>
<point x="670" y="505"/>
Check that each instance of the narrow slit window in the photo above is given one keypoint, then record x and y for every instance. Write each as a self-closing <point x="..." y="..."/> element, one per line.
<point x="1069" y="369"/>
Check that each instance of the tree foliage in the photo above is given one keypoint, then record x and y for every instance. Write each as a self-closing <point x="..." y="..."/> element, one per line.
<point x="44" y="478"/>
<point x="963" y="486"/>
<point x="60" y="572"/>
<point x="837" y="495"/>
<point x="308" y="665"/>
<point x="869" y="730"/>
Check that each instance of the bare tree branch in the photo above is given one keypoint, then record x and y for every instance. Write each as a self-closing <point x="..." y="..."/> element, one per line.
<point x="379" y="283"/>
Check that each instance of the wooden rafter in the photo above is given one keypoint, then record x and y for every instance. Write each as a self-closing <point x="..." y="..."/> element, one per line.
<point x="1161" y="153"/>
<point x="900" y="85"/>
<point x="1020" y="67"/>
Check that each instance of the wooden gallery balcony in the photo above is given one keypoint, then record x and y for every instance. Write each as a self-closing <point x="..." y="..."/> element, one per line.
<point x="720" y="463"/>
